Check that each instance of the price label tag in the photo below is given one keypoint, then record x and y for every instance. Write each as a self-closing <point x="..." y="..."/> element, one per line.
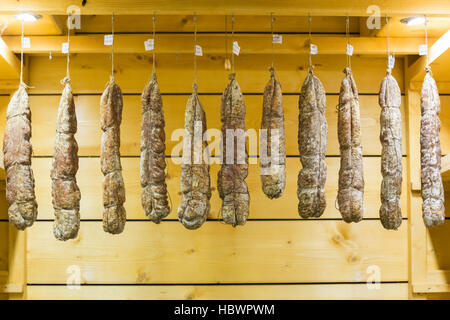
<point x="198" y="50"/>
<point x="108" y="39"/>
<point x="65" y="47"/>
<point x="26" y="43"/>
<point x="149" y="44"/>
<point x="277" y="38"/>
<point x="391" y="61"/>
<point x="236" y="48"/>
<point x="313" y="48"/>
<point x="349" y="49"/>
<point x="423" y="50"/>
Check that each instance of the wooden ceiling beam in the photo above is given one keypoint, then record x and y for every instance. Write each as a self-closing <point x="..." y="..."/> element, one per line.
<point x="215" y="44"/>
<point x="9" y="63"/>
<point x="250" y="7"/>
<point x="416" y="71"/>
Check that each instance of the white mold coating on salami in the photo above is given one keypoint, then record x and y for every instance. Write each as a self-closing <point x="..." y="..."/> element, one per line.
<point x="430" y="154"/>
<point x="312" y="142"/>
<point x="391" y="154"/>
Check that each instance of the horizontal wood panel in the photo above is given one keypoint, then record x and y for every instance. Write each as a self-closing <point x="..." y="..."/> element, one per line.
<point x="438" y="255"/>
<point x="229" y="292"/>
<point x="90" y="72"/>
<point x="184" y="23"/>
<point x="313" y="251"/>
<point x="90" y="182"/>
<point x="3" y="245"/>
<point x="44" y="110"/>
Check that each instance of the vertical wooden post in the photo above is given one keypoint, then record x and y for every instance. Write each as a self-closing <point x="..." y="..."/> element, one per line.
<point x="417" y="233"/>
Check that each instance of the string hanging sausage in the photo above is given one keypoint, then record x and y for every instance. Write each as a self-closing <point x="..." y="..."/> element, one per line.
<point x="65" y="192"/>
<point x="391" y="154"/>
<point x="17" y="150"/>
<point x="195" y="180"/>
<point x="351" y="180"/>
<point x="312" y="142"/>
<point x="430" y="153"/>
<point x="114" y="215"/>
<point x="273" y="161"/>
<point x="153" y="147"/>
<point x="234" y="169"/>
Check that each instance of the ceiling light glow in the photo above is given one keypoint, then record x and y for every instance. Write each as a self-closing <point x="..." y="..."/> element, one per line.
<point x="413" y="21"/>
<point x="27" y="17"/>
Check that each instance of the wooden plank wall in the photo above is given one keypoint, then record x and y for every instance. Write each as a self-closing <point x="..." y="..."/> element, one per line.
<point x="275" y="255"/>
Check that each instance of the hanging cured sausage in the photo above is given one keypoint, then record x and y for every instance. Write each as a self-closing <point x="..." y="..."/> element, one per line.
<point x="391" y="154"/>
<point x="65" y="192"/>
<point x="195" y="180"/>
<point x="231" y="178"/>
<point x="114" y="215"/>
<point x="430" y="153"/>
<point x="351" y="180"/>
<point x="153" y="147"/>
<point x="17" y="149"/>
<point x="312" y="142"/>
<point x="273" y="161"/>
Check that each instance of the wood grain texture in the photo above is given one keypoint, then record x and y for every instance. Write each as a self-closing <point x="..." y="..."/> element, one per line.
<point x="218" y="253"/>
<point x="3" y="244"/>
<point x="232" y="292"/>
<point x="90" y="182"/>
<point x="89" y="72"/>
<point x="44" y="110"/>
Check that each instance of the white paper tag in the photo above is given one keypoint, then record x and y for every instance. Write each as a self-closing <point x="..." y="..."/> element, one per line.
<point x="236" y="48"/>
<point x="277" y="38"/>
<point x="313" y="48"/>
<point x="26" y="43"/>
<point x="391" y="61"/>
<point x="349" y="49"/>
<point x="198" y="50"/>
<point x="149" y="44"/>
<point x="65" y="47"/>
<point x="423" y="49"/>
<point x="108" y="39"/>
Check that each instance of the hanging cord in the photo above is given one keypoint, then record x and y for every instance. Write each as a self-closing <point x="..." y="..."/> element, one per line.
<point x="21" y="56"/>
<point x="310" y="41"/>
<point x="232" y="43"/>
<point x="112" y="47"/>
<point x="387" y="45"/>
<point x="153" y="53"/>
<point x="426" y="40"/>
<point x="195" y="49"/>
<point x="67" y="78"/>
<point x="271" y="31"/>
<point x="347" y="33"/>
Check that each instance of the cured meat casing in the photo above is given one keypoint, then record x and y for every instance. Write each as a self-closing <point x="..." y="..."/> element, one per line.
<point x="430" y="154"/>
<point x="273" y="168"/>
<point x="17" y="149"/>
<point x="391" y="154"/>
<point x="153" y="147"/>
<point x="114" y="215"/>
<point x="231" y="178"/>
<point x="351" y="180"/>
<point x="195" y="179"/>
<point x="312" y="141"/>
<point x="65" y="192"/>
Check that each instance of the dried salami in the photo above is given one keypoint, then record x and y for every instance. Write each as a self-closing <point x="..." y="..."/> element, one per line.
<point x="430" y="153"/>
<point x="195" y="180"/>
<point x="391" y="154"/>
<point x="17" y="149"/>
<point x="272" y="145"/>
<point x="114" y="215"/>
<point x="351" y="179"/>
<point x="65" y="192"/>
<point x="153" y="147"/>
<point x="234" y="169"/>
<point x="312" y="142"/>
